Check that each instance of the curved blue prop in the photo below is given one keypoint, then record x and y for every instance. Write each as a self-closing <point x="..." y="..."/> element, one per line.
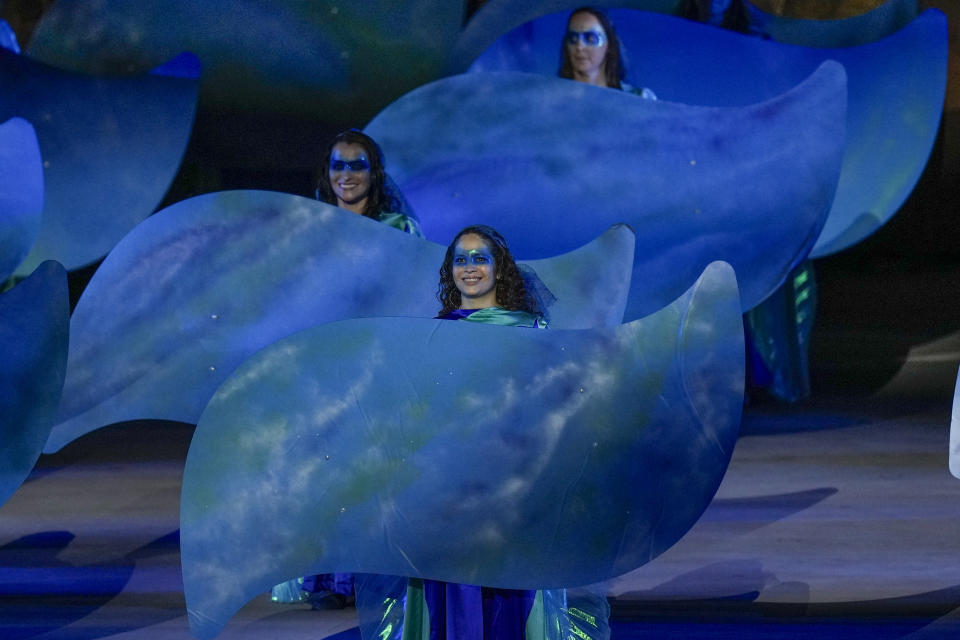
<point x="341" y="60"/>
<point x="110" y="148"/>
<point x="871" y="26"/>
<point x="955" y="432"/>
<point x="34" y="327"/>
<point x="21" y="193"/>
<point x="550" y="161"/>
<point x="460" y="452"/>
<point x="896" y="90"/>
<point x="200" y="286"/>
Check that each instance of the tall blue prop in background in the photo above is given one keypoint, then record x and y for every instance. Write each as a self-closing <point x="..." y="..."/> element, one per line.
<point x="551" y="161"/>
<point x="200" y="286"/>
<point x="33" y="338"/>
<point x="896" y="89"/>
<point x="110" y="148"/>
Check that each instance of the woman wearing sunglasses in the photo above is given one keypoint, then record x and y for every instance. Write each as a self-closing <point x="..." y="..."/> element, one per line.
<point x="352" y="177"/>
<point x="590" y="52"/>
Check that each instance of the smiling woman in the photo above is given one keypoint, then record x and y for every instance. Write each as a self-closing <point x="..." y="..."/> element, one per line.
<point x="352" y="177"/>
<point x="479" y="281"/>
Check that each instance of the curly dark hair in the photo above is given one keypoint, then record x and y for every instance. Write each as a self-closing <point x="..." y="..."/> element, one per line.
<point x="511" y="291"/>
<point x="613" y="66"/>
<point x="378" y="199"/>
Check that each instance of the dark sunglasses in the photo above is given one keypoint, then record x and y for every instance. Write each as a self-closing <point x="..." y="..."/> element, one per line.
<point x="360" y="164"/>
<point x="588" y="38"/>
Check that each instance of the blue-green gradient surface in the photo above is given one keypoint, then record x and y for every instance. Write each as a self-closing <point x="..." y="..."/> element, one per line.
<point x="110" y="148"/>
<point x="200" y="286"/>
<point x="550" y="161"/>
<point x="896" y="88"/>
<point x="461" y="452"/>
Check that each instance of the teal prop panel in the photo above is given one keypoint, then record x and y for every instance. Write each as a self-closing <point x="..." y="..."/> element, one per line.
<point x="340" y="61"/>
<point x="496" y="17"/>
<point x="461" y="452"/>
<point x="847" y="32"/>
<point x="550" y="162"/>
<point x="34" y="318"/>
<point x="198" y="287"/>
<point x="955" y="432"/>
<point x="110" y="148"/>
<point x="896" y="90"/>
<point x="21" y="193"/>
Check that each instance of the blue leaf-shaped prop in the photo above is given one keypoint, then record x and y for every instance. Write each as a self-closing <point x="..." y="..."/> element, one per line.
<point x="21" y="192"/>
<point x="197" y="288"/>
<point x="341" y="61"/>
<point x="895" y="87"/>
<point x="461" y="452"/>
<point x="550" y="162"/>
<point x="34" y="318"/>
<point x="110" y="148"/>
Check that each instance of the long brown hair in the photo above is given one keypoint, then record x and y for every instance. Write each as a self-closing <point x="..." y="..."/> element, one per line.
<point x="378" y="200"/>
<point x="614" y="69"/>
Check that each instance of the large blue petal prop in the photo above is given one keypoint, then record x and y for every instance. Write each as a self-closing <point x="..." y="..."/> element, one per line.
<point x="895" y="86"/>
<point x="496" y="17"/>
<point x="846" y="32"/>
<point x="955" y="432"/>
<point x="110" y="148"/>
<point x="549" y="162"/>
<point x="34" y="319"/>
<point x="21" y="192"/>
<point x="343" y="60"/>
<point x="198" y="287"/>
<point x="461" y="452"/>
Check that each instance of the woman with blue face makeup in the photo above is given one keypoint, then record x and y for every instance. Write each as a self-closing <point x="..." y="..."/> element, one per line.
<point x="352" y="177"/>
<point x="479" y="282"/>
<point x="590" y="52"/>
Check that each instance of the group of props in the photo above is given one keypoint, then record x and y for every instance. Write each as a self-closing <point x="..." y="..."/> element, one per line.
<point x="299" y="337"/>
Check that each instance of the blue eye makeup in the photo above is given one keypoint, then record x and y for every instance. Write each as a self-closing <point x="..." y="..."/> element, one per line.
<point x="588" y="38"/>
<point x="474" y="257"/>
<point x="360" y="164"/>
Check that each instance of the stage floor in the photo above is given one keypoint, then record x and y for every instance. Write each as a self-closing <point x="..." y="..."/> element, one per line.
<point x="836" y="519"/>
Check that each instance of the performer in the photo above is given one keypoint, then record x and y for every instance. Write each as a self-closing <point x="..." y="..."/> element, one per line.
<point x="352" y="177"/>
<point x="590" y="52"/>
<point x="479" y="282"/>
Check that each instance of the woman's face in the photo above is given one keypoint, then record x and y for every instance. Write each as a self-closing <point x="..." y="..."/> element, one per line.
<point x="474" y="272"/>
<point x="586" y="47"/>
<point x="349" y="174"/>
